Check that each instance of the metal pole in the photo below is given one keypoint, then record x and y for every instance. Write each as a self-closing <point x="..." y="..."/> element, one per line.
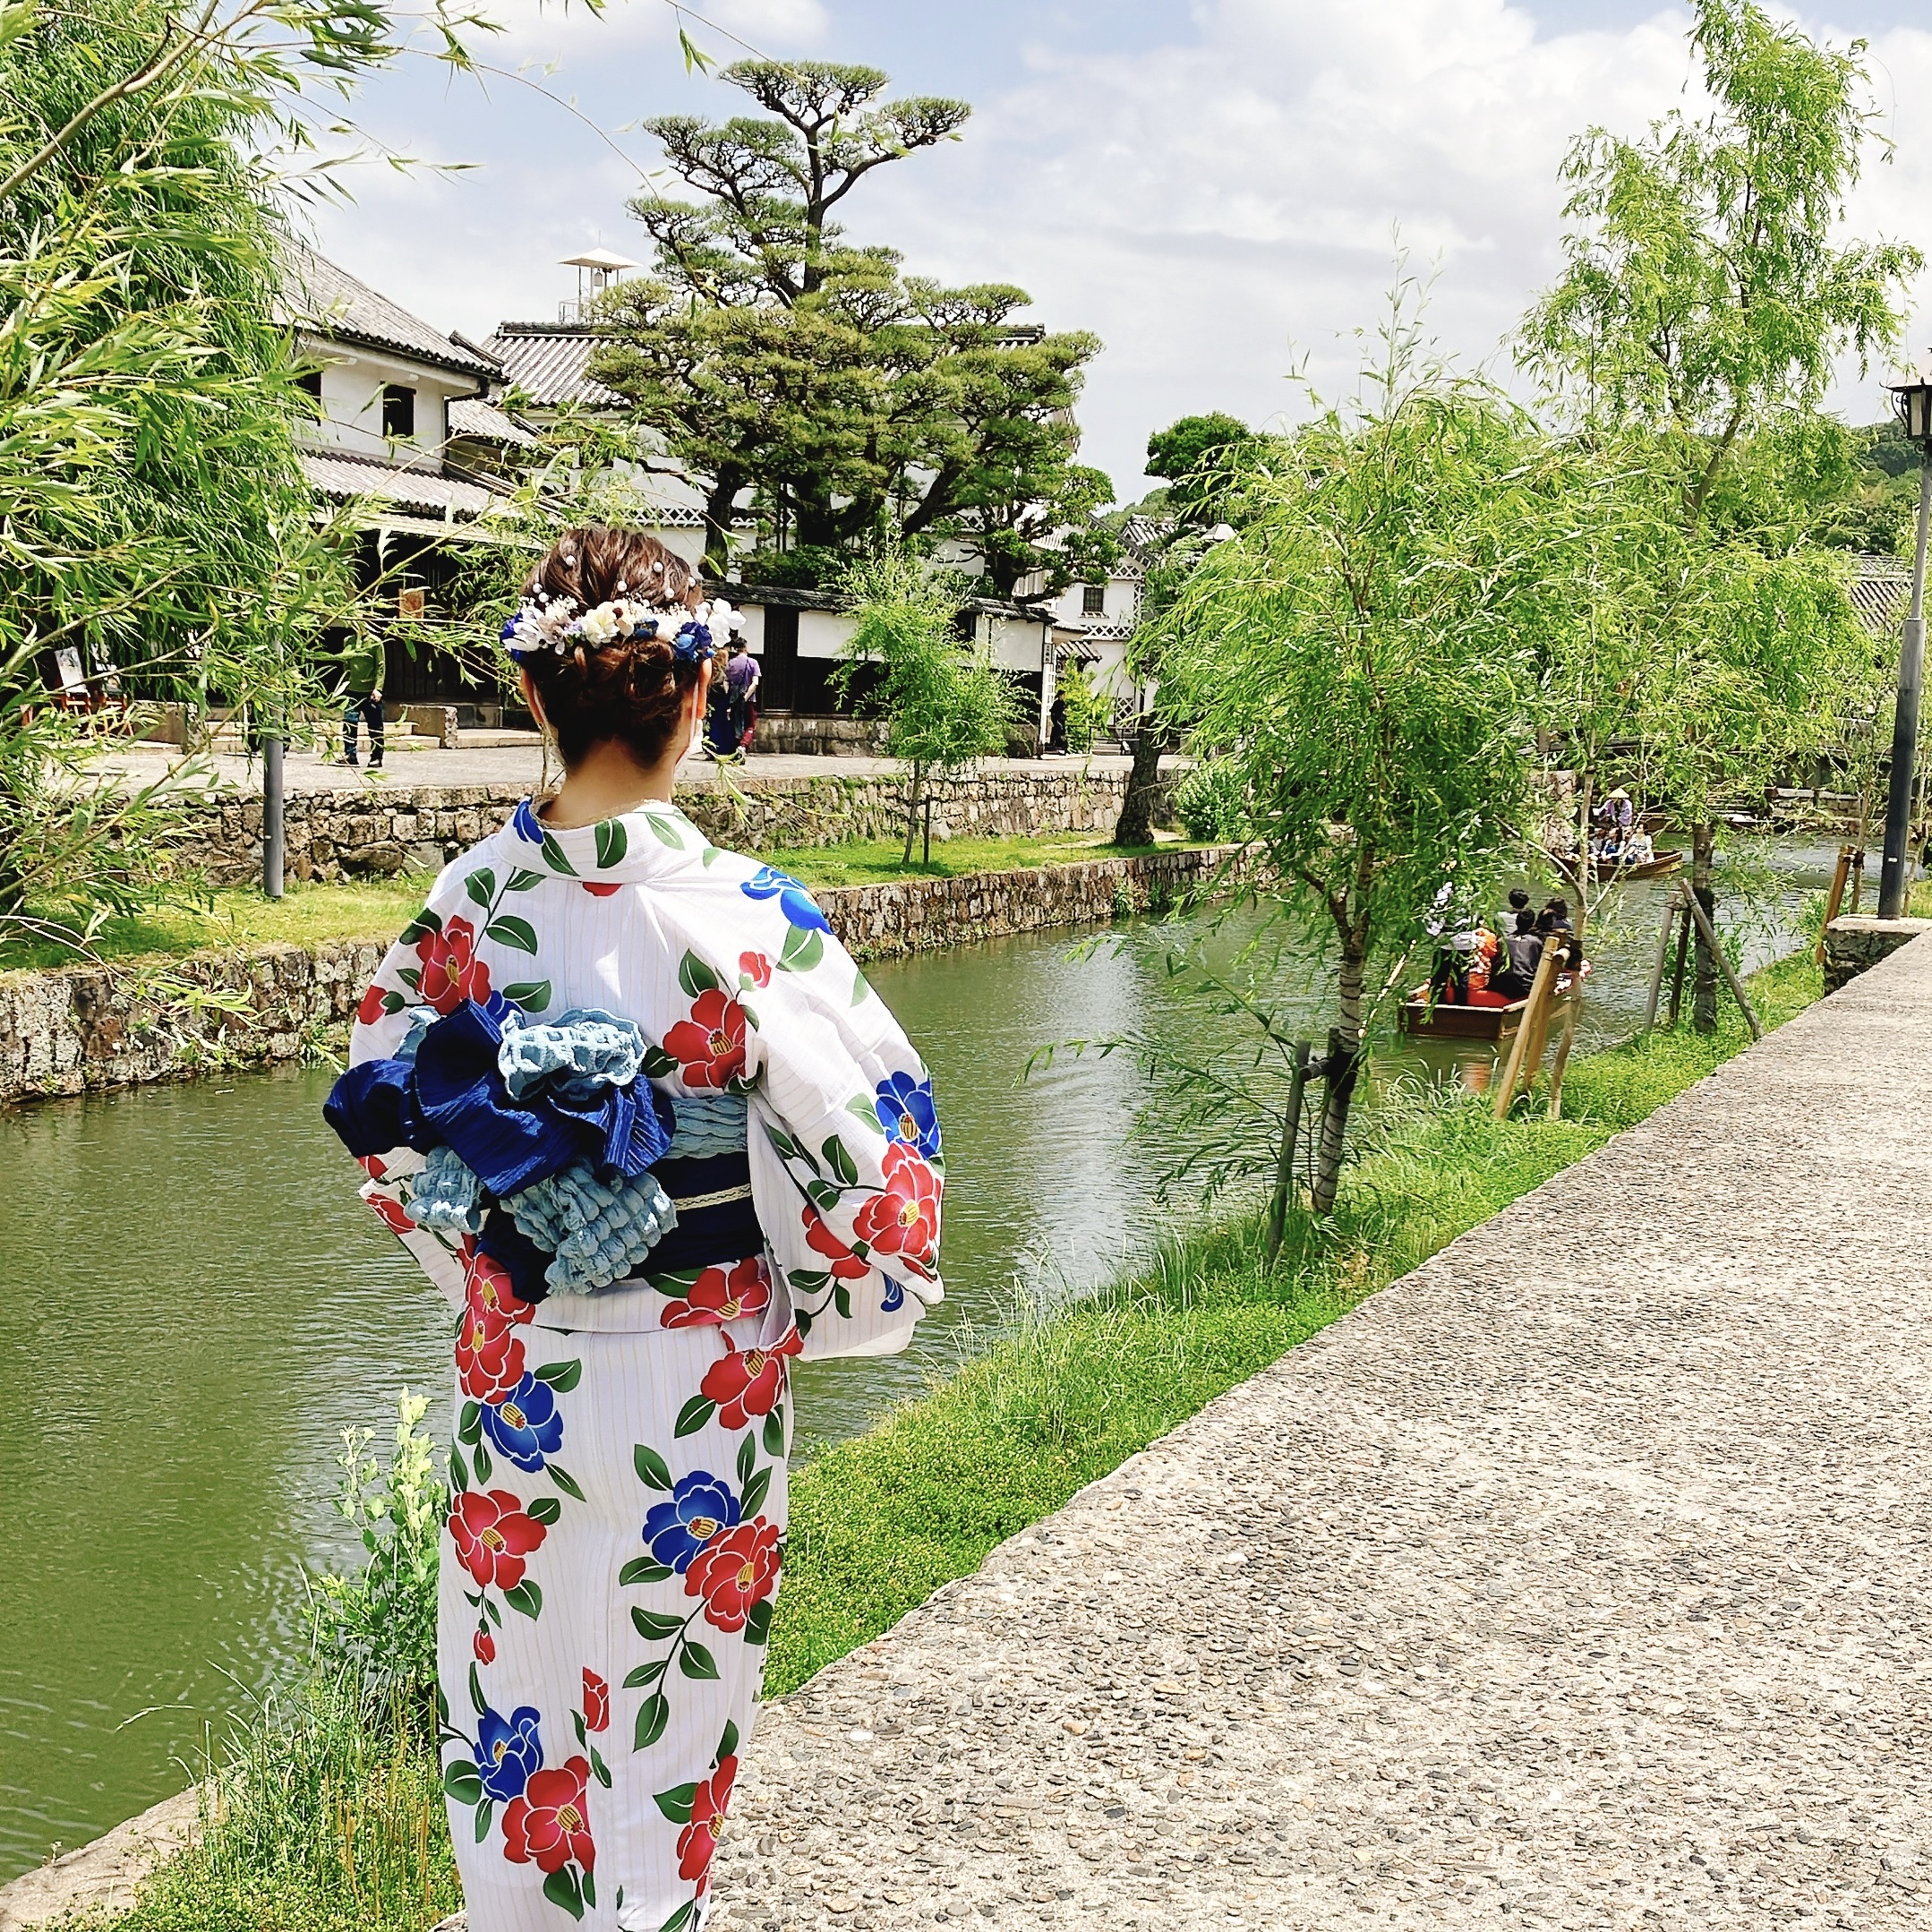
<point x="1893" y="877"/>
<point x="271" y="816"/>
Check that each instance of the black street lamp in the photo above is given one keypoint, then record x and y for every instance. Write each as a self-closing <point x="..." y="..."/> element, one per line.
<point x="1914" y="403"/>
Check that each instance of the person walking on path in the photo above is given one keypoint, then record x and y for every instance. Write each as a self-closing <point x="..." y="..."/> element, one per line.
<point x="741" y="678"/>
<point x="364" y="670"/>
<point x="635" y="1111"/>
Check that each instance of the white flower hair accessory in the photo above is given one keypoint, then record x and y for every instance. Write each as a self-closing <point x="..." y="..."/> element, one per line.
<point x="553" y="623"/>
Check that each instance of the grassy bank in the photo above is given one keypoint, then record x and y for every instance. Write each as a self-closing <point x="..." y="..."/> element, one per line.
<point x="374" y="909"/>
<point x="331" y="1821"/>
<point x="879" y="1522"/>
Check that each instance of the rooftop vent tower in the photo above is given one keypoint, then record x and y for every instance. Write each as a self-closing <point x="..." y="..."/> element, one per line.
<point x="597" y="270"/>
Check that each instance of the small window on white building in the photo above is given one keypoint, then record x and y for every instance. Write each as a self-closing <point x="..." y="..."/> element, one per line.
<point x="1093" y="600"/>
<point x="310" y="382"/>
<point x="398" y="411"/>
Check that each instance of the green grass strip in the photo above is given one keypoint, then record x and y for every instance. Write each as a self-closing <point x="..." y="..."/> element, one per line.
<point x="881" y="1522"/>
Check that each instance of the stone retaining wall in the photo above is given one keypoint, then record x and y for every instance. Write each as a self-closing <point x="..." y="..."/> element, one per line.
<point x="1858" y="941"/>
<point x="83" y="1029"/>
<point x="332" y="835"/>
<point x="86" y="1028"/>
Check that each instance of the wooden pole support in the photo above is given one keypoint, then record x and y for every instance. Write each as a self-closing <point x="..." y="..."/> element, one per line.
<point x="1683" y="958"/>
<point x="1723" y="965"/>
<point x="1656" y="972"/>
<point x="1539" y="998"/>
<point x="1571" y="1020"/>
<point x="1277" y="1208"/>
<point x="1835" y="898"/>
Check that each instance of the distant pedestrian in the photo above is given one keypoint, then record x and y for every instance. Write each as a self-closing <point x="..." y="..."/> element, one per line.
<point x="364" y="670"/>
<point x="741" y="678"/>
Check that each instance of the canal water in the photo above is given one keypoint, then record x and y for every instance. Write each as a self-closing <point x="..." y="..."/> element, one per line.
<point x="200" y="1305"/>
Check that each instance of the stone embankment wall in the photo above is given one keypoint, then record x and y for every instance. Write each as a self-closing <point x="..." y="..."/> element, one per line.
<point x="926" y="915"/>
<point x="90" y="1027"/>
<point x="350" y="833"/>
<point x="84" y="1029"/>
<point x="1857" y="942"/>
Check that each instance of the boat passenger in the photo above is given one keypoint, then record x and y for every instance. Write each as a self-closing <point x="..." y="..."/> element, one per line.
<point x="1639" y="849"/>
<point x="1524" y="949"/>
<point x="1554" y="918"/>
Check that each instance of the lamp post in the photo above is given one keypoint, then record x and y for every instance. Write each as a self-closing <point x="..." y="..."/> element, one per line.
<point x="1914" y="403"/>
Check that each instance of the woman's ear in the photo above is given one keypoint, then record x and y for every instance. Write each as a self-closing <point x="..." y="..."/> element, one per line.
<point x="532" y="702"/>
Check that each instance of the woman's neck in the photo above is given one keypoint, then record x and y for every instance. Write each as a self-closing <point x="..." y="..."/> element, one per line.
<point x="607" y="783"/>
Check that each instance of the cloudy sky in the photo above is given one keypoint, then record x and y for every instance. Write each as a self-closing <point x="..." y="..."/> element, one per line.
<point x="1210" y="187"/>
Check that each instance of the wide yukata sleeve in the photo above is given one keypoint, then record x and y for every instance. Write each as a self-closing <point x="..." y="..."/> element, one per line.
<point x="846" y="1164"/>
<point x="428" y="972"/>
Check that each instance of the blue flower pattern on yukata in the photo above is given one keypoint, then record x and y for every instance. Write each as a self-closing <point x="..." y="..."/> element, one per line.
<point x="524" y="1425"/>
<point x="906" y="1112"/>
<point x="508" y="1750"/>
<point x="700" y="1505"/>
<point x="793" y="901"/>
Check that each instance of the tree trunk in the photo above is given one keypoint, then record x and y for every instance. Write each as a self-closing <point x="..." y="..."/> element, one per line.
<point x="914" y="789"/>
<point x="1345" y="1066"/>
<point x="1135" y="824"/>
<point x="719" y="505"/>
<point x="1703" y="866"/>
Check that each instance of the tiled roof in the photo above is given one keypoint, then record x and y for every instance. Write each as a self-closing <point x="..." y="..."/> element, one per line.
<point x="484" y="422"/>
<point x="319" y="295"/>
<point x="1879" y="591"/>
<point x="1140" y="536"/>
<point x="344" y="477"/>
<point x="547" y="361"/>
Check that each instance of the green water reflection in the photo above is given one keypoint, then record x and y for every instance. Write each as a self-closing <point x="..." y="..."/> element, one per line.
<point x="201" y="1306"/>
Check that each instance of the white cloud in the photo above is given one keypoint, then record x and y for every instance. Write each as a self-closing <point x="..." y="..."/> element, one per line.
<point x="1207" y="208"/>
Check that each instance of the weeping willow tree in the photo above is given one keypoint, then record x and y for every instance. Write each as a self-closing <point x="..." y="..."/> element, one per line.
<point x="1707" y="295"/>
<point x="945" y="705"/>
<point x="153" y="515"/>
<point x="1364" y="661"/>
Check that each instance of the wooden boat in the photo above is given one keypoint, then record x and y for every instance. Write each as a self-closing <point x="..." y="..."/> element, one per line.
<point x="1659" y="866"/>
<point x="1443" y="1020"/>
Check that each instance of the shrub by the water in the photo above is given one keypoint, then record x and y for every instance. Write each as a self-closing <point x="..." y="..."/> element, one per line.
<point x="1212" y="804"/>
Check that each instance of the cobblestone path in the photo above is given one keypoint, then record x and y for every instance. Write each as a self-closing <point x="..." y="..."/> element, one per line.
<point x="1579" y="1579"/>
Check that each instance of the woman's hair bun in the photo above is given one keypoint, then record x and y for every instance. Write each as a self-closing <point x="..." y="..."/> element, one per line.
<point x="628" y="690"/>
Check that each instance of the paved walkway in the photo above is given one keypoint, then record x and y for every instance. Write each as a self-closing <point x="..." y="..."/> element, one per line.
<point x="1581" y="1579"/>
<point x="518" y="765"/>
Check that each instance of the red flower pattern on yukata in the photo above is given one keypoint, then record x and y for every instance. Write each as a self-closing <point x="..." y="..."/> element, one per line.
<point x="756" y="968"/>
<point x="699" y="1839"/>
<point x="903" y="1217"/>
<point x="493" y="1535"/>
<point x="450" y="971"/>
<point x="709" y="1048"/>
<point x="736" y="1570"/>
<point x="484" y="1647"/>
<point x="490" y="1357"/>
<point x="596" y="1702"/>
<point x="487" y="1286"/>
<point x="716" y="1297"/>
<point x="846" y="1266"/>
<point x="748" y="1382"/>
<point x="601" y="888"/>
<point x="391" y="1211"/>
<point x="371" y="1009"/>
<point x="549" y="1827"/>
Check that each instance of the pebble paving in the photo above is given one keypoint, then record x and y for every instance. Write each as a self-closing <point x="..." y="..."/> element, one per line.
<point x="1579" y="1579"/>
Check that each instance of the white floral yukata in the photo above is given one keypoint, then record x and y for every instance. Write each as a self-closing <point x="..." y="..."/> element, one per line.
<point x="618" y="1510"/>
